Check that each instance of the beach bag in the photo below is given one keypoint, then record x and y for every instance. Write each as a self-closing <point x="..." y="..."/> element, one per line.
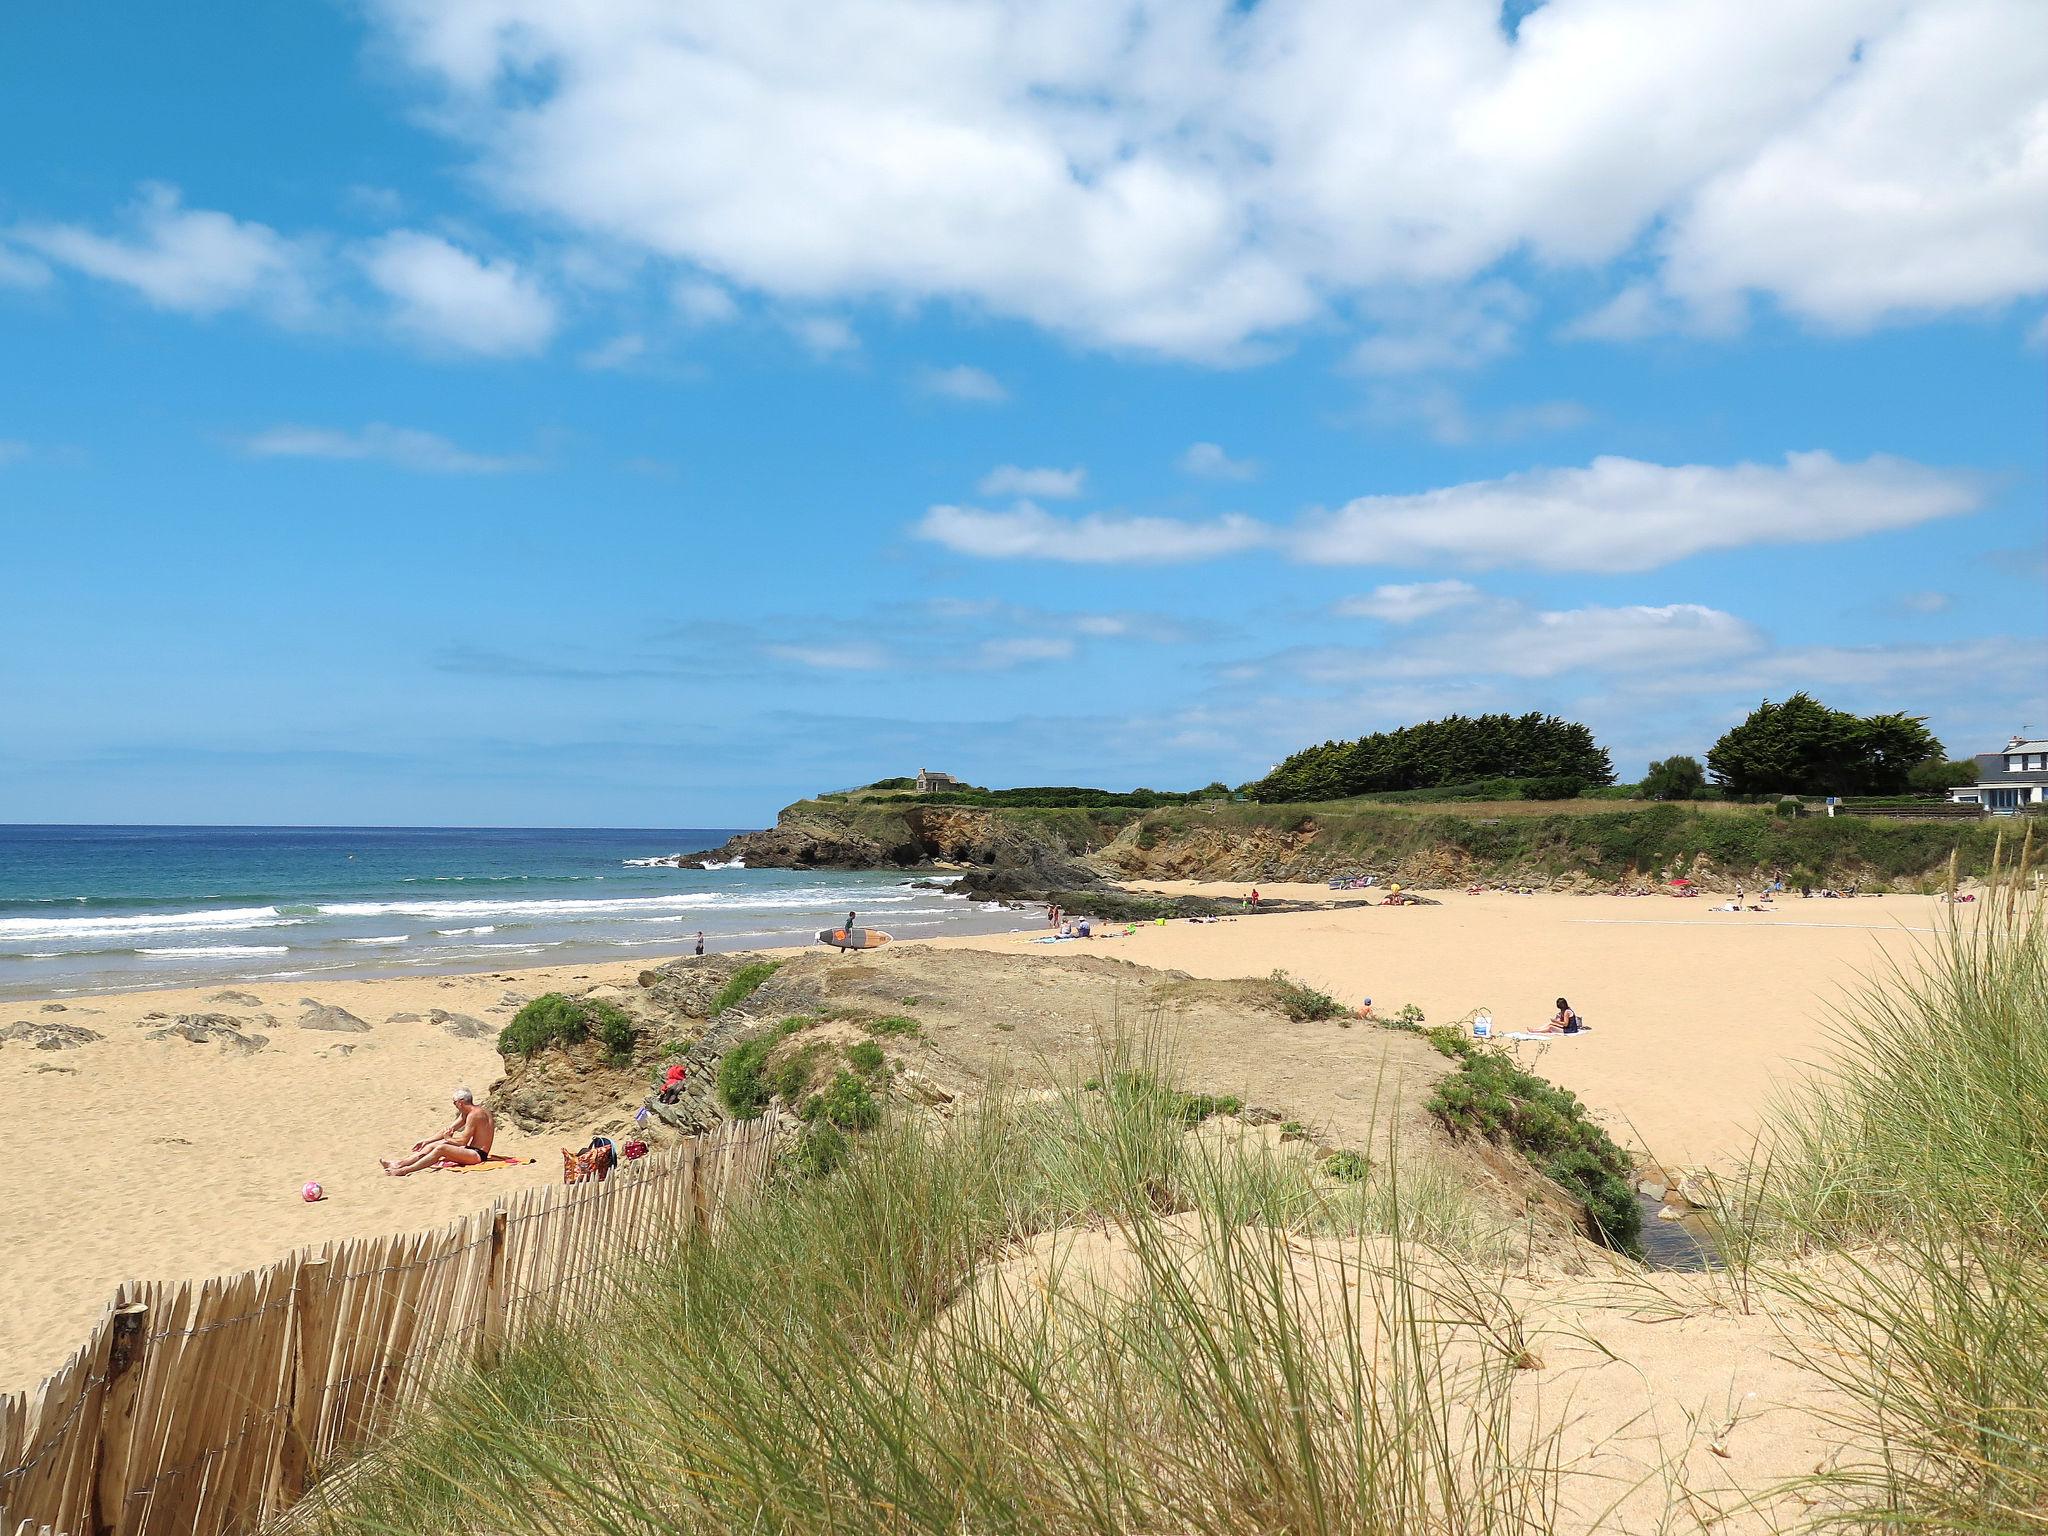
<point x="1482" y="1025"/>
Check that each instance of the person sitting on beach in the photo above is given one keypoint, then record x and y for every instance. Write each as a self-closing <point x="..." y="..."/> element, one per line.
<point x="465" y="1143"/>
<point x="1563" y="1022"/>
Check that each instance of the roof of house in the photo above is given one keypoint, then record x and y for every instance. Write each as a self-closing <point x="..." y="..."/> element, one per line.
<point x="2017" y="745"/>
<point x="1991" y="769"/>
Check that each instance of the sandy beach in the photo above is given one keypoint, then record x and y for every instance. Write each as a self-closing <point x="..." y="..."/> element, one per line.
<point x="134" y="1156"/>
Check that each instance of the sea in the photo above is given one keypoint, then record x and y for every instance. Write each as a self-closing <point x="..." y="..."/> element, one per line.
<point x="125" y="908"/>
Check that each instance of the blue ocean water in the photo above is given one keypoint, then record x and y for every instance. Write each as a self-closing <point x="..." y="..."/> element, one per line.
<point x="94" y="909"/>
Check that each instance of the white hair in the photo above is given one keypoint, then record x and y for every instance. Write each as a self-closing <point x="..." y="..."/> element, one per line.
<point x="464" y="1096"/>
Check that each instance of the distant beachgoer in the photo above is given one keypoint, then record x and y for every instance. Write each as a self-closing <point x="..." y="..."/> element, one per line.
<point x="849" y="920"/>
<point x="1365" y="1009"/>
<point x="467" y="1141"/>
<point x="1254" y="897"/>
<point x="700" y="941"/>
<point x="1082" y="930"/>
<point x="1563" y="1022"/>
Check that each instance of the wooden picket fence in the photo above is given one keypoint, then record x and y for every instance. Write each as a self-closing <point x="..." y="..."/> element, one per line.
<point x="207" y="1408"/>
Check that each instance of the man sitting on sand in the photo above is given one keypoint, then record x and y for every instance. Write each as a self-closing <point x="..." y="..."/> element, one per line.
<point x="467" y="1142"/>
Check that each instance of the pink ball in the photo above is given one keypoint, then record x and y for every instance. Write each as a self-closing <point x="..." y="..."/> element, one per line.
<point x="313" y="1192"/>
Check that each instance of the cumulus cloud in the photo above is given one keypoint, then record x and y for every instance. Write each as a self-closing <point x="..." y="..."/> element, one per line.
<point x="961" y="382"/>
<point x="1045" y="483"/>
<point x="621" y="351"/>
<point x="854" y="656"/>
<point x="1209" y="461"/>
<point x="1188" y="179"/>
<point x="1523" y="643"/>
<point x="1028" y="532"/>
<point x="703" y="303"/>
<point x="378" y="443"/>
<point x="447" y="297"/>
<point x="1621" y="514"/>
<point x="824" y="335"/>
<point x="1614" y="515"/>
<point x="195" y="261"/>
<point x="1406" y="603"/>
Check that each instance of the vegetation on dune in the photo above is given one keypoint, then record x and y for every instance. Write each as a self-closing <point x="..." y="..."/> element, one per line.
<point x="870" y="1348"/>
<point x="552" y="1019"/>
<point x="1454" y="750"/>
<point x="1490" y="1096"/>
<point x="1674" y="778"/>
<point x="1898" y="1202"/>
<point x="744" y="983"/>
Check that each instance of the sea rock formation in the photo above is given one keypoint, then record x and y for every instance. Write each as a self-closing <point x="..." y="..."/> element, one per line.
<point x="47" y="1035"/>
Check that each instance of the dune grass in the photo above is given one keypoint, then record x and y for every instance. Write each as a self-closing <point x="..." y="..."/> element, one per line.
<point x="1911" y="1183"/>
<point x="845" y="1355"/>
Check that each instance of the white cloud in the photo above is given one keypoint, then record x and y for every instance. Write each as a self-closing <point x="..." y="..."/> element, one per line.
<point x="1614" y="515"/>
<point x="1016" y="650"/>
<point x="191" y="260"/>
<point x="963" y="382"/>
<point x="1405" y="604"/>
<point x="1048" y="484"/>
<point x="403" y="447"/>
<point x="1927" y="602"/>
<point x="854" y="656"/>
<point x="19" y="270"/>
<point x="1027" y="532"/>
<point x="1626" y="515"/>
<point x="824" y="335"/>
<point x="1187" y="179"/>
<point x="1444" y="417"/>
<point x="448" y="297"/>
<point x="1435" y="330"/>
<point x="1210" y="462"/>
<point x="1508" y="640"/>
<point x="703" y="303"/>
<point x="620" y="352"/>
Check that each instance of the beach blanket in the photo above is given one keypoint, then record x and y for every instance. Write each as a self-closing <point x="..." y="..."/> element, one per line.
<point x="1537" y="1034"/>
<point x="485" y="1166"/>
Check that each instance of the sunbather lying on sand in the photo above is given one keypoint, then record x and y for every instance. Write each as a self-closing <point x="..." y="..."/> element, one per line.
<point x="467" y="1142"/>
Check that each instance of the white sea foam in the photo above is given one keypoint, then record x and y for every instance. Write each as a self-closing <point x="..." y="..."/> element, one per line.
<point x="614" y="907"/>
<point x="224" y="951"/>
<point x="725" y="864"/>
<point x="389" y="938"/>
<point x="456" y="933"/>
<point x="31" y="929"/>
<point x="650" y="863"/>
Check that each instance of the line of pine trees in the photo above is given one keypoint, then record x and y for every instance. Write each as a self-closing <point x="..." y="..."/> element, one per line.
<point x="1457" y="750"/>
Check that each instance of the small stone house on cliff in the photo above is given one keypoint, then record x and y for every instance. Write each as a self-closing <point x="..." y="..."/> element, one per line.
<point x="927" y="781"/>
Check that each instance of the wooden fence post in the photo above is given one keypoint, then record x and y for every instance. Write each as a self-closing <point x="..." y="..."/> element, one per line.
<point x="312" y="1346"/>
<point x="493" y="1344"/>
<point x="120" y="1405"/>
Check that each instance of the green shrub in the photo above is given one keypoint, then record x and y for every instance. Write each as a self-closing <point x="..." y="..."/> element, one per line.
<point x="848" y="1103"/>
<point x="865" y="1057"/>
<point x="1489" y="1096"/>
<point x="1409" y="1013"/>
<point x="1552" y="789"/>
<point x="791" y="1078"/>
<point x="1302" y="1002"/>
<point x="820" y="1148"/>
<point x="1352" y="1167"/>
<point x="1450" y="1040"/>
<point x="893" y="1024"/>
<point x="744" y="983"/>
<point x="552" y="1019"/>
<point x="742" y="1079"/>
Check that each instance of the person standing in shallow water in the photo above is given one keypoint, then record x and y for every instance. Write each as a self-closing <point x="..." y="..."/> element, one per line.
<point x="700" y="941"/>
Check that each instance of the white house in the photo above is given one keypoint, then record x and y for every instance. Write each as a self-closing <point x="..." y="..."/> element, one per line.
<point x="2008" y="781"/>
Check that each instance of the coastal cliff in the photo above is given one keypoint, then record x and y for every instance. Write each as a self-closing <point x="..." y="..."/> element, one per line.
<point x="1031" y="853"/>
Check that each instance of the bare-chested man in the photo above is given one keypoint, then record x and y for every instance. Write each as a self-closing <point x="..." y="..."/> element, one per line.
<point x="467" y="1141"/>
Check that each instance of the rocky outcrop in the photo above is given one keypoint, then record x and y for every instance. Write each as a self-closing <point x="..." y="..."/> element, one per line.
<point x="326" y="1016"/>
<point x="45" y="1035"/>
<point x="209" y="1028"/>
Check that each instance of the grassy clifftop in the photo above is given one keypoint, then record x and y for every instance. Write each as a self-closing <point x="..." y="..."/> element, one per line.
<point x="1427" y="844"/>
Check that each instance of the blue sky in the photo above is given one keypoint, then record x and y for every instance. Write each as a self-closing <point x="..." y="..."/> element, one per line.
<point x="500" y="412"/>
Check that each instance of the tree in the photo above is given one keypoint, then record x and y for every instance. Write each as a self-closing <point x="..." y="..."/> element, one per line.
<point x="1457" y="750"/>
<point x="1675" y="778"/>
<point x="1936" y="777"/>
<point x="1802" y="747"/>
